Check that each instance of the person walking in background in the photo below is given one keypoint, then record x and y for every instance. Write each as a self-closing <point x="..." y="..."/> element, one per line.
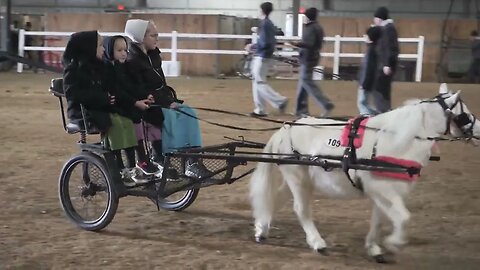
<point x="264" y="48"/>
<point x="387" y="50"/>
<point x="474" y="71"/>
<point x="368" y="71"/>
<point x="310" y="46"/>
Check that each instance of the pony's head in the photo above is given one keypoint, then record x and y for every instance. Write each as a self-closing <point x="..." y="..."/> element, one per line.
<point x="458" y="121"/>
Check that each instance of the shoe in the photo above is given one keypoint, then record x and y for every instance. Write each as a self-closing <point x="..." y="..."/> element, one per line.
<point x="139" y="177"/>
<point x="197" y="170"/>
<point x="327" y="112"/>
<point x="127" y="177"/>
<point x="160" y="169"/>
<point x="147" y="167"/>
<point x="170" y="173"/>
<point x="283" y="107"/>
<point x="254" y="114"/>
<point x="302" y="115"/>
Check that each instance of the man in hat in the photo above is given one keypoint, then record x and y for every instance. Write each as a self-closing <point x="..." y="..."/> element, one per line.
<point x="387" y="50"/>
<point x="310" y="46"/>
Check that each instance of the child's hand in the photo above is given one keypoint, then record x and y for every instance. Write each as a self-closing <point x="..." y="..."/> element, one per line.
<point x="151" y="99"/>
<point x="142" y="104"/>
<point x="112" y="99"/>
<point x="174" y="105"/>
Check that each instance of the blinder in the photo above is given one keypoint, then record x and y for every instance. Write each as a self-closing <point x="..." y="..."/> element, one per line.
<point x="461" y="120"/>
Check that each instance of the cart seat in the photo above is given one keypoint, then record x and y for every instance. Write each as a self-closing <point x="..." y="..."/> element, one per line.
<point x="56" y="89"/>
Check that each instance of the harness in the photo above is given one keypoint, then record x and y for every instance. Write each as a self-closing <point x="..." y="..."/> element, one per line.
<point x="462" y="121"/>
<point x="350" y="153"/>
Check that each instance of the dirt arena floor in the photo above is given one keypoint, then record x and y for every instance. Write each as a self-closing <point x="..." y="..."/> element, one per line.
<point x="216" y="231"/>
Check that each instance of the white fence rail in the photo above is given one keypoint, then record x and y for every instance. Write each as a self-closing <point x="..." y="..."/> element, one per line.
<point x="174" y="50"/>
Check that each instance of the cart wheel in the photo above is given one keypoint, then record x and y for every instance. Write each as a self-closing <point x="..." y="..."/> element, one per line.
<point x="243" y="68"/>
<point x="86" y="192"/>
<point x="179" y="201"/>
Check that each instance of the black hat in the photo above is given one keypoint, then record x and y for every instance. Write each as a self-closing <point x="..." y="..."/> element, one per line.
<point x="382" y="13"/>
<point x="311" y="13"/>
<point x="374" y="33"/>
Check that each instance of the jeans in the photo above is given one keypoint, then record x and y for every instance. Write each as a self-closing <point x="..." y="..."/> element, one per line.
<point x="262" y="92"/>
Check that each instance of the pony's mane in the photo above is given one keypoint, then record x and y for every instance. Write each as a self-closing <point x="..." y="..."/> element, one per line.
<point x="403" y="123"/>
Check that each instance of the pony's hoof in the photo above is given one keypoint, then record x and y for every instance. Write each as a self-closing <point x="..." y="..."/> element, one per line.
<point x="379" y="258"/>
<point x="260" y="239"/>
<point x="323" y="251"/>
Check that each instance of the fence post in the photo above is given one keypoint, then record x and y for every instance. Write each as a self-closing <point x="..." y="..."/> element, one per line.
<point x="174" y="46"/>
<point x="336" y="57"/>
<point x="21" y="45"/>
<point x="418" y="68"/>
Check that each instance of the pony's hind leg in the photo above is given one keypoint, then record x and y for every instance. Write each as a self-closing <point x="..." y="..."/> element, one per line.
<point x="371" y="241"/>
<point x="302" y="191"/>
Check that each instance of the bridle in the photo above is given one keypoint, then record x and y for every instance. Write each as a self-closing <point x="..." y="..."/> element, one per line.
<point x="463" y="121"/>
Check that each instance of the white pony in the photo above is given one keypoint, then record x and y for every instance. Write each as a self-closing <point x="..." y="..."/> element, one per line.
<point x="402" y="134"/>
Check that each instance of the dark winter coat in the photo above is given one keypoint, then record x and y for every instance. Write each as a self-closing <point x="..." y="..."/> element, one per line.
<point x="311" y="44"/>
<point x="118" y="83"/>
<point x="145" y="71"/>
<point x="368" y="68"/>
<point x="388" y="48"/>
<point x="82" y="81"/>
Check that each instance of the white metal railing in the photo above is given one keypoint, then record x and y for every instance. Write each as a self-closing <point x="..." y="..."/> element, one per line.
<point x="174" y="50"/>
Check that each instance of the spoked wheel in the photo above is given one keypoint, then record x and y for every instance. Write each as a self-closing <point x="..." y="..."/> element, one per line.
<point x="243" y="68"/>
<point x="179" y="201"/>
<point x="86" y="192"/>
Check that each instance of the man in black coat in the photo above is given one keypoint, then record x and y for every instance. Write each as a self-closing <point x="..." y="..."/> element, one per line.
<point x="310" y="46"/>
<point x="368" y="72"/>
<point x="387" y="51"/>
<point x="474" y="71"/>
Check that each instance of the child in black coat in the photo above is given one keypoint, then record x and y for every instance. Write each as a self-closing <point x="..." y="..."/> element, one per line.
<point x="128" y="106"/>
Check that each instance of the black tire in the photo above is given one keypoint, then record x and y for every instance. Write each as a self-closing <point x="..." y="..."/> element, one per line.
<point x="187" y="197"/>
<point x="87" y="161"/>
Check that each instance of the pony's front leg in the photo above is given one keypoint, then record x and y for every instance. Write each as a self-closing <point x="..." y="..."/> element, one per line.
<point x="302" y="191"/>
<point x="399" y="216"/>
<point x="371" y="241"/>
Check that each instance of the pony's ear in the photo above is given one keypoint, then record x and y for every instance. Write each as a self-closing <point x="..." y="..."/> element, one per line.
<point x="453" y="98"/>
<point x="443" y="89"/>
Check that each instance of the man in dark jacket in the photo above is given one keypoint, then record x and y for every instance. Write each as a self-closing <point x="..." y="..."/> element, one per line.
<point x="368" y="72"/>
<point x="387" y="50"/>
<point x="261" y="63"/>
<point x="310" y="46"/>
<point x="474" y="71"/>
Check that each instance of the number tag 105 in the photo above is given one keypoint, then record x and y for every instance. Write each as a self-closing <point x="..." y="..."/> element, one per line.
<point x="333" y="143"/>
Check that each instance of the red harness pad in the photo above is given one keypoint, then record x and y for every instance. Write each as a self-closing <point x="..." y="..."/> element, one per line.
<point x="401" y="162"/>
<point x="358" y="141"/>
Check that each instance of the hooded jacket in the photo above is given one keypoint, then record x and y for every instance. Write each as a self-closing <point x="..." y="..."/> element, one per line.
<point x="82" y="81"/>
<point x="118" y="82"/>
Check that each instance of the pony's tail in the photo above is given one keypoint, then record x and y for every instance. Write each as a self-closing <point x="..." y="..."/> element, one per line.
<point x="264" y="189"/>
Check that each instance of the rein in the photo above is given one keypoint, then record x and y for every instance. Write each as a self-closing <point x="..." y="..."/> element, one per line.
<point x="290" y="123"/>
